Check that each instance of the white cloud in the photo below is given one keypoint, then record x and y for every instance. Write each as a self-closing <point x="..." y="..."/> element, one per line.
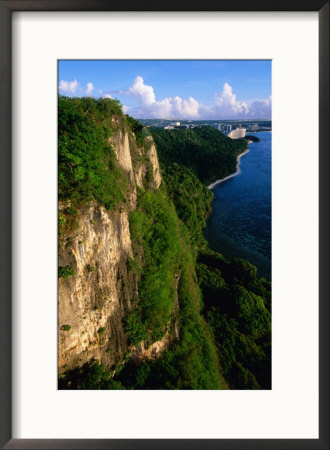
<point x="144" y="93"/>
<point x="168" y="108"/>
<point x="68" y="86"/>
<point x="89" y="88"/>
<point x="226" y="104"/>
<point x="261" y="109"/>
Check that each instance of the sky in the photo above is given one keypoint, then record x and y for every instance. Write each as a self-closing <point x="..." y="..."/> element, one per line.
<point x="174" y="89"/>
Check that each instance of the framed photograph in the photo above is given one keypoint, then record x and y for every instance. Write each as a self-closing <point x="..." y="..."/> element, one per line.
<point x="165" y="225"/>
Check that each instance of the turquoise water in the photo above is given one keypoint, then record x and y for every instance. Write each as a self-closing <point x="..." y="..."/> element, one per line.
<point x="240" y="223"/>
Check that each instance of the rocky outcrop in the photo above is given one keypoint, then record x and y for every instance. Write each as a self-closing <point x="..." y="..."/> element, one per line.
<point x="138" y="162"/>
<point x="99" y="287"/>
<point x="152" y="155"/>
<point x="93" y="301"/>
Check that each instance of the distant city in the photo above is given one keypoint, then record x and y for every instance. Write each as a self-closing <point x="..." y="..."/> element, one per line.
<point x="234" y="129"/>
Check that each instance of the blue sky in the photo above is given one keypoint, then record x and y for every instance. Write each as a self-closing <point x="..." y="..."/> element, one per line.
<point x="202" y="89"/>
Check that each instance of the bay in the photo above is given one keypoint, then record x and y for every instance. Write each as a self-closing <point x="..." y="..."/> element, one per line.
<point x="240" y="223"/>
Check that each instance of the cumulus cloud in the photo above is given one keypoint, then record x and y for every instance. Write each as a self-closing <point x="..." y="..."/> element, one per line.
<point x="226" y="104"/>
<point x="74" y="87"/>
<point x="168" y="108"/>
<point x="261" y="109"/>
<point x="68" y="87"/>
<point x="89" y="88"/>
<point x="144" y="93"/>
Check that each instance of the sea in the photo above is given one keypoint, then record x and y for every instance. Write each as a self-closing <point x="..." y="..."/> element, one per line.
<point x="240" y="223"/>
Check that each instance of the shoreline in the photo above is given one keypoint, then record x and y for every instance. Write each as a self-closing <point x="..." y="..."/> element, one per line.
<point x="238" y="171"/>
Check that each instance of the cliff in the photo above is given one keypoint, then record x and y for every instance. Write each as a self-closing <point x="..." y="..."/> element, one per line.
<point x="96" y="291"/>
<point x="142" y="302"/>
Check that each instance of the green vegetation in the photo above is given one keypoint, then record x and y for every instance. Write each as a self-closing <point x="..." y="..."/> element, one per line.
<point x="192" y="362"/>
<point x="154" y="227"/>
<point x="87" y="166"/>
<point x="139" y="131"/>
<point x="133" y="326"/>
<point x="92" y="376"/>
<point x="66" y="272"/>
<point x="191" y="198"/>
<point x="207" y="152"/>
<point x="252" y="137"/>
<point x="220" y="309"/>
<point x="90" y="268"/>
<point x="237" y="306"/>
<point x="66" y="327"/>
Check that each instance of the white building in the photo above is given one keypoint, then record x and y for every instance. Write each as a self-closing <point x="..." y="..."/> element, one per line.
<point x="238" y="133"/>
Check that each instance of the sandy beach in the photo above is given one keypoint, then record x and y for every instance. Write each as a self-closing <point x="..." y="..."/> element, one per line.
<point x="238" y="171"/>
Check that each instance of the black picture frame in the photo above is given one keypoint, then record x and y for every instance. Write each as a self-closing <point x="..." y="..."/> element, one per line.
<point x="6" y="9"/>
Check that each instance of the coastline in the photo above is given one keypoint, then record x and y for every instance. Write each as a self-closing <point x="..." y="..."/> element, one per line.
<point x="238" y="171"/>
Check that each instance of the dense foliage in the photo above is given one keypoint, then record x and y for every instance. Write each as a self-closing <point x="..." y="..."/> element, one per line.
<point x="236" y="302"/>
<point x="92" y="375"/>
<point x="154" y="228"/>
<point x="87" y="167"/>
<point x="252" y="137"/>
<point x="192" y="362"/>
<point x="220" y="308"/>
<point x="207" y="152"/>
<point x="237" y="306"/>
<point x="191" y="198"/>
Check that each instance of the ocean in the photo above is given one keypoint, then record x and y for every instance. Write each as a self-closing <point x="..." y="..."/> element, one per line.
<point x="240" y="223"/>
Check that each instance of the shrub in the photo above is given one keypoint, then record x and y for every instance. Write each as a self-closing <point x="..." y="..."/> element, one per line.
<point x="66" y="272"/>
<point x="134" y="327"/>
<point x="91" y="376"/>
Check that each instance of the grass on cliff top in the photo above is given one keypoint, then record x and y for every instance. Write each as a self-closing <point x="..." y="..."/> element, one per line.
<point x="87" y="166"/>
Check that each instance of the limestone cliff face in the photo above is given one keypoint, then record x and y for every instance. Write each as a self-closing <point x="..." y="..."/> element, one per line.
<point x="92" y="302"/>
<point x="152" y="155"/>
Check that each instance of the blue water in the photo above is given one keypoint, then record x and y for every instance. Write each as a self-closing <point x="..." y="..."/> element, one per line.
<point x="240" y="224"/>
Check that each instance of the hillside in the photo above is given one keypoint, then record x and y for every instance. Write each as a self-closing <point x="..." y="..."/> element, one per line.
<point x="208" y="153"/>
